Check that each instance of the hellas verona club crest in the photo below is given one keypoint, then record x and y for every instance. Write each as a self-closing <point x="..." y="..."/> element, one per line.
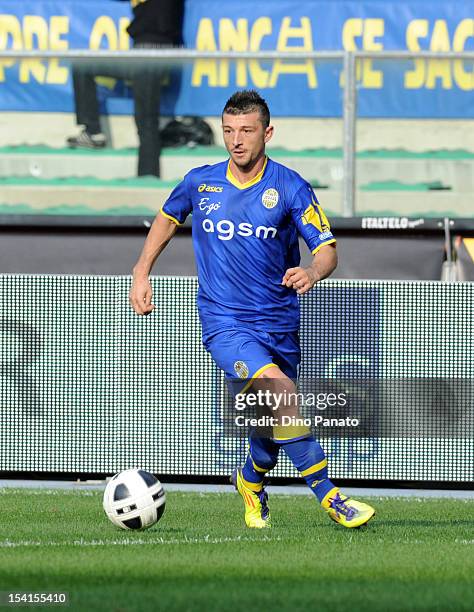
<point x="270" y="198"/>
<point x="241" y="369"/>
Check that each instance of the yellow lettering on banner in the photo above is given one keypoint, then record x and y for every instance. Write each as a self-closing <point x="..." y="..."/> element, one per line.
<point x="58" y="27"/>
<point x="237" y="36"/>
<point x="35" y="32"/>
<point x="352" y="29"/>
<point x="374" y="28"/>
<point x="35" y="29"/>
<point x="124" y="36"/>
<point x="205" y="41"/>
<point x="418" y="28"/>
<point x="104" y="27"/>
<point x="439" y="69"/>
<point x="9" y="27"/>
<point x="368" y="30"/>
<point x="233" y="38"/>
<point x="262" y="27"/>
<point x="463" y="78"/>
<point x="307" y="67"/>
<point x="427" y="72"/>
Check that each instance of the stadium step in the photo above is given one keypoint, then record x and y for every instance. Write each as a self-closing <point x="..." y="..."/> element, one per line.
<point x="323" y="167"/>
<point x="144" y="196"/>
<point x="83" y="196"/>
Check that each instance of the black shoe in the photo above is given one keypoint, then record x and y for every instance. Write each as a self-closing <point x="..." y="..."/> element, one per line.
<point x="87" y="141"/>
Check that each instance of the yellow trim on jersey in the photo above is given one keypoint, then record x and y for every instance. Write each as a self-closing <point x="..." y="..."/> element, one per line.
<point x="469" y="244"/>
<point x="170" y="217"/>
<point x="314" y="251"/>
<point x="311" y="217"/>
<point x="258" y="469"/>
<point x="231" y="178"/>
<point x="322" y="216"/>
<point x="257" y="374"/>
<point x="327" y="497"/>
<point x="314" y="215"/>
<point x="314" y="468"/>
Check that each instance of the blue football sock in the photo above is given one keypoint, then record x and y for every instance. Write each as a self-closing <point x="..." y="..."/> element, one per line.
<point x="262" y="457"/>
<point x="309" y="459"/>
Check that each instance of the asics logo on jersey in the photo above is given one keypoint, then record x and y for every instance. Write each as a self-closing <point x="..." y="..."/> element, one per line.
<point x="208" y="207"/>
<point x="210" y="188"/>
<point x="226" y="230"/>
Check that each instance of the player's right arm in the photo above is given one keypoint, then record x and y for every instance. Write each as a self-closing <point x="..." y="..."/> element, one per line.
<point x="173" y="213"/>
<point x="161" y="232"/>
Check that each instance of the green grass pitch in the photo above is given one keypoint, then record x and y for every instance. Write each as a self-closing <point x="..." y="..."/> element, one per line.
<point x="416" y="554"/>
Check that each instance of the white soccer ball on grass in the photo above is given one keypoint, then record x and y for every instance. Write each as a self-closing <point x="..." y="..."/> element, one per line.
<point x="134" y="499"/>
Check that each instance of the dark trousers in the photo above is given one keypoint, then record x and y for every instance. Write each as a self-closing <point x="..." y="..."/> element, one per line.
<point x="146" y="85"/>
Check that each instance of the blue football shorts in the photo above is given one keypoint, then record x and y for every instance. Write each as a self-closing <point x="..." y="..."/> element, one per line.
<point x="245" y="353"/>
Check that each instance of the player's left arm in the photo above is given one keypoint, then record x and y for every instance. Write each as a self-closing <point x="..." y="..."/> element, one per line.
<point x="323" y="265"/>
<point x="313" y="225"/>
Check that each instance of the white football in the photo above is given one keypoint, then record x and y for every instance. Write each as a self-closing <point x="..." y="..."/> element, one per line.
<point x="134" y="499"/>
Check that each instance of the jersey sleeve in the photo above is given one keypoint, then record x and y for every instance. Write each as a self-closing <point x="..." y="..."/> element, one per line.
<point x="310" y="220"/>
<point x="178" y="206"/>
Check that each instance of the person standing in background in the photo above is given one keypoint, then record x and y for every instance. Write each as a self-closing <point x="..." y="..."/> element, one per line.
<point x="156" y="24"/>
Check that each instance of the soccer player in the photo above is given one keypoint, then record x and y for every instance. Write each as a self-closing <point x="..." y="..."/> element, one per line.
<point x="247" y="213"/>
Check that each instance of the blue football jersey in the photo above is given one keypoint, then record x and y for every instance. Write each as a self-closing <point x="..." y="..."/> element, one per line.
<point x="245" y="237"/>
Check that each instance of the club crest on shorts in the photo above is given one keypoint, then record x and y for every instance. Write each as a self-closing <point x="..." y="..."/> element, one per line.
<point x="270" y="198"/>
<point x="241" y="369"/>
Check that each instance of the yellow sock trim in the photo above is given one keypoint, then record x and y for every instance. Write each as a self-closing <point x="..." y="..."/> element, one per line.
<point x="314" y="468"/>
<point x="258" y="469"/>
<point x="327" y="497"/>
<point x="283" y="433"/>
<point x="256" y="487"/>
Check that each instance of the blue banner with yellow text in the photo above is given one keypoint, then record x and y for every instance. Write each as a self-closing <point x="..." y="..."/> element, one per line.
<point x="386" y="88"/>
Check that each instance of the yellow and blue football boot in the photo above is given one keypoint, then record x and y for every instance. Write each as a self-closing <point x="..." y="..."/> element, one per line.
<point x="346" y="511"/>
<point x="257" y="513"/>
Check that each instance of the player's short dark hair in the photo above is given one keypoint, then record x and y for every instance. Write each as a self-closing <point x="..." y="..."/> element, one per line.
<point x="248" y="101"/>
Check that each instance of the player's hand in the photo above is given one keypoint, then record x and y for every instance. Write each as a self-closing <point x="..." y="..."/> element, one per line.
<point x="140" y="296"/>
<point x="300" y="279"/>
